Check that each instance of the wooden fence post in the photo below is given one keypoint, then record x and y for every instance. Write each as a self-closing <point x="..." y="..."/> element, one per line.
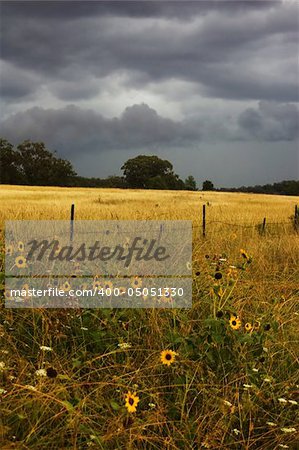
<point x="72" y="222"/>
<point x="264" y="226"/>
<point x="204" y="220"/>
<point x="160" y="232"/>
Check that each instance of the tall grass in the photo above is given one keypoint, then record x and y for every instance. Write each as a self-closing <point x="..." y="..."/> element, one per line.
<point x="226" y="389"/>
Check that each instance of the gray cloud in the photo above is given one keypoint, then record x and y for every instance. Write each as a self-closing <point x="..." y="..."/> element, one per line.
<point x="73" y="89"/>
<point x="213" y="50"/>
<point x="271" y="122"/>
<point x="16" y="84"/>
<point x="211" y="72"/>
<point x="72" y="128"/>
<point x="156" y="8"/>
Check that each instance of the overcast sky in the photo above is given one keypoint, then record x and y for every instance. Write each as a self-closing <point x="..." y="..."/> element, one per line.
<point x="211" y="86"/>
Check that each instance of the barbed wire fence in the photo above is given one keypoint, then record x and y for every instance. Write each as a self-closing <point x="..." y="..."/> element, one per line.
<point x="264" y="228"/>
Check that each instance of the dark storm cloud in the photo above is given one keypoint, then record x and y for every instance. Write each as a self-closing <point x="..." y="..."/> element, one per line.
<point x="271" y="122"/>
<point x="73" y="128"/>
<point x="157" y="8"/>
<point x="16" y="84"/>
<point x="73" y="89"/>
<point x="226" y="72"/>
<point x="212" y="47"/>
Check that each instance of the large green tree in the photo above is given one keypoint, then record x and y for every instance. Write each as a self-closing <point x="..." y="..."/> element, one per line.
<point x="190" y="183"/>
<point x="9" y="164"/>
<point x="42" y="167"/>
<point x="149" y="172"/>
<point x="31" y="163"/>
<point x="207" y="185"/>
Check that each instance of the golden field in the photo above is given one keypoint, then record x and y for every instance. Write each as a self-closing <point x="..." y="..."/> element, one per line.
<point x="43" y="203"/>
<point x="230" y="386"/>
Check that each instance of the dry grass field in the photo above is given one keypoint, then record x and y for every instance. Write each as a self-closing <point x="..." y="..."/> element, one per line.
<point x="233" y="381"/>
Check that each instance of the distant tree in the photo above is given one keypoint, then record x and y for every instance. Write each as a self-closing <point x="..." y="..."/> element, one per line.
<point x="115" y="181"/>
<point x="174" y="182"/>
<point x="207" y="185"/>
<point x="169" y="181"/>
<point x="139" y="172"/>
<point x="39" y="166"/>
<point x="157" y="182"/>
<point x="190" y="183"/>
<point x="286" y="187"/>
<point x="9" y="164"/>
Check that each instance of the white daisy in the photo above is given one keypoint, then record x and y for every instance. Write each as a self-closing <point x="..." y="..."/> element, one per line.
<point x="124" y="345"/>
<point x="44" y="348"/>
<point x="31" y="388"/>
<point x="41" y="373"/>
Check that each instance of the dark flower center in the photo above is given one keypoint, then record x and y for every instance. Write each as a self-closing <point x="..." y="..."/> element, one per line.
<point x="131" y="401"/>
<point x="234" y="323"/>
<point x="51" y="372"/>
<point x="168" y="356"/>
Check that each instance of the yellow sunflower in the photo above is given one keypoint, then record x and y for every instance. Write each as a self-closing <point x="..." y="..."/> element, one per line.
<point x="20" y="262"/>
<point x="248" y="326"/>
<point x="7" y="294"/>
<point x="257" y="325"/>
<point x="9" y="250"/>
<point x="96" y="284"/>
<point x="66" y="286"/>
<point x="167" y="357"/>
<point x="108" y="285"/>
<point x="244" y="253"/>
<point x="235" y="322"/>
<point x="21" y="246"/>
<point x="132" y="401"/>
<point x="136" y="282"/>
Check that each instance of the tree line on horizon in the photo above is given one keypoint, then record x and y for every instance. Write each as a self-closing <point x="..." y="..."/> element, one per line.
<point x="31" y="163"/>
